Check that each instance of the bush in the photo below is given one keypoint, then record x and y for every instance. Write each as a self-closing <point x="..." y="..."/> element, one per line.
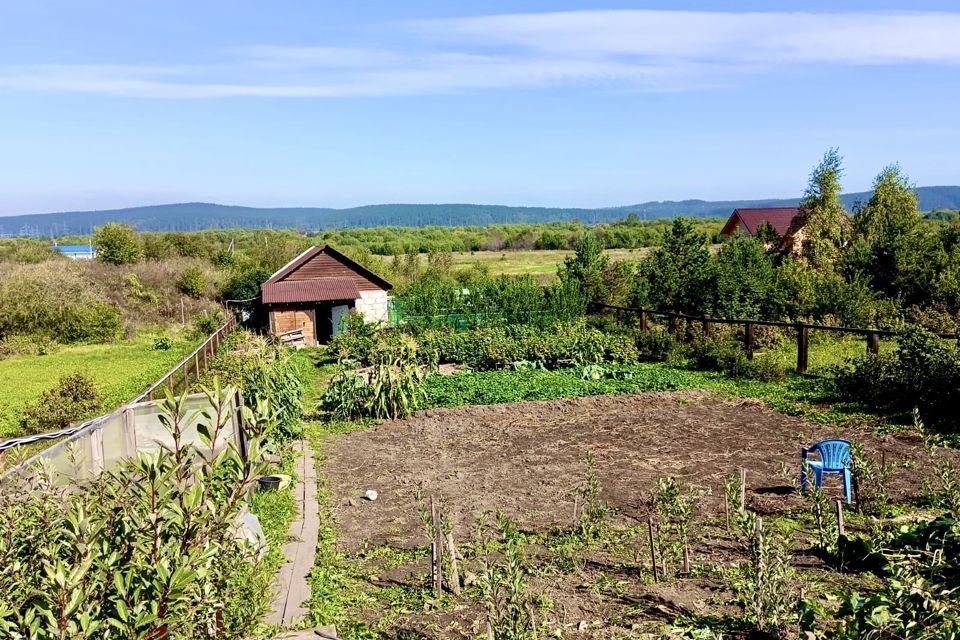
<point x="147" y="550"/>
<point x="719" y="353"/>
<point x="205" y="324"/>
<point x="95" y="322"/>
<point x="193" y="282"/>
<point x="74" y="398"/>
<point x="117" y="243"/>
<point x="356" y="340"/>
<point x="19" y="345"/>
<point x="924" y="372"/>
<point x="162" y="344"/>
<point x="657" y="345"/>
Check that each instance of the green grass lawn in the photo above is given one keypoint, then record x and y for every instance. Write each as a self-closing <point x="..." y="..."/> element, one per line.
<point x="120" y="370"/>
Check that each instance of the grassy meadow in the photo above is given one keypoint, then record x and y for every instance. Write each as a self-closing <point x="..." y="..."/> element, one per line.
<point x="120" y="370"/>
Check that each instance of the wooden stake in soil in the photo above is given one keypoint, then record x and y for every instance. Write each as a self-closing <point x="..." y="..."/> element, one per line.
<point x="454" y="567"/>
<point x="726" y="509"/>
<point x="686" y="559"/>
<point x="743" y="489"/>
<point x="840" y="531"/>
<point x="653" y="549"/>
<point x="437" y="550"/>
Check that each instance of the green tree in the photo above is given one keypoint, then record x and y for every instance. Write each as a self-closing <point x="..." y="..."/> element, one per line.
<point x="826" y="219"/>
<point x="586" y="266"/>
<point x="117" y="243"/>
<point x="678" y="275"/>
<point x="746" y="281"/>
<point x="889" y="248"/>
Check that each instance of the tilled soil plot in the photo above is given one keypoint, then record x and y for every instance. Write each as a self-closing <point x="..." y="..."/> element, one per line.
<point x="527" y="458"/>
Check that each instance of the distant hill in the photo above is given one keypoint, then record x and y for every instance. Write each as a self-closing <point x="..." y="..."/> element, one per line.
<point x="199" y="215"/>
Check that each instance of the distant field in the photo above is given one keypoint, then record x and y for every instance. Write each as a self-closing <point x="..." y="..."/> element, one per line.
<point x="120" y="371"/>
<point x="540" y="264"/>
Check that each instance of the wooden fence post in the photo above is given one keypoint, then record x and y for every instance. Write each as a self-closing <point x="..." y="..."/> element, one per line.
<point x="653" y="549"/>
<point x="803" y="347"/>
<point x="873" y="342"/>
<point x="672" y="324"/>
<point x="707" y="327"/>
<point x="643" y="320"/>
<point x="748" y="339"/>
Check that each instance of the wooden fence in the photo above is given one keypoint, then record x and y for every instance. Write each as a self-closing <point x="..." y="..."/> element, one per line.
<point x="189" y="369"/>
<point x="803" y="329"/>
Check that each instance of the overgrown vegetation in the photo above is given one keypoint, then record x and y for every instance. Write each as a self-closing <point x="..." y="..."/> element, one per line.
<point x="82" y="563"/>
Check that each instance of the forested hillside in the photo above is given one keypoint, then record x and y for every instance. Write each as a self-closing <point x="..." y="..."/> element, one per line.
<point x="198" y="215"/>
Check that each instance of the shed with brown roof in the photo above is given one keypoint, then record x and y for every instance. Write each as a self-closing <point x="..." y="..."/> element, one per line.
<point x="787" y="222"/>
<point x="314" y="291"/>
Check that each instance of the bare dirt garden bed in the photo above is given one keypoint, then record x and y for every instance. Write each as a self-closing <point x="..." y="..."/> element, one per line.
<point x="527" y="458"/>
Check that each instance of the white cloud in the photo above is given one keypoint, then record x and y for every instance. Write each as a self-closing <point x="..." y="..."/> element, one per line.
<point x="636" y="50"/>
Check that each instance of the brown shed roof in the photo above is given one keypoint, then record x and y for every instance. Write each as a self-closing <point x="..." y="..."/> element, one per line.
<point x="315" y="290"/>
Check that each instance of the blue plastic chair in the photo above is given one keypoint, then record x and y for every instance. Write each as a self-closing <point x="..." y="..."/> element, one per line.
<point x="834" y="460"/>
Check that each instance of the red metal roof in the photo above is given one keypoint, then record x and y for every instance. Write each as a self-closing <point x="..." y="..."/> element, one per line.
<point x="782" y="219"/>
<point x="315" y="290"/>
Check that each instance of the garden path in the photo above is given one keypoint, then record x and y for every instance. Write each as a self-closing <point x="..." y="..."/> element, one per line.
<point x="293" y="589"/>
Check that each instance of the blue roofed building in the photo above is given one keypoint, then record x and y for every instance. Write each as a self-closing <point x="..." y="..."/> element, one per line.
<point x="76" y="251"/>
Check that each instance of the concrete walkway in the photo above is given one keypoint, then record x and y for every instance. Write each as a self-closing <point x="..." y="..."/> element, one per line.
<point x="293" y="591"/>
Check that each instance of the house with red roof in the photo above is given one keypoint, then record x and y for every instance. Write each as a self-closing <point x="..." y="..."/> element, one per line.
<point x="787" y="222"/>
<point x="313" y="292"/>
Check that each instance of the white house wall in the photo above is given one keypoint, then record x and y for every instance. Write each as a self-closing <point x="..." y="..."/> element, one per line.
<point x="373" y="305"/>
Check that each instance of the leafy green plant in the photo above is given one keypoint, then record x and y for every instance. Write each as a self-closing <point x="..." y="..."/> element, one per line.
<point x="144" y="550"/>
<point x="674" y="503"/>
<point x="163" y="343"/>
<point x="193" y="282"/>
<point x="870" y="477"/>
<point x="73" y="398"/>
<point x="765" y="580"/>
<point x="503" y="585"/>
<point x="592" y="516"/>
<point x="824" y="522"/>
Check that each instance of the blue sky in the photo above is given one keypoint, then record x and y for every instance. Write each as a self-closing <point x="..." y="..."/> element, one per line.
<point x="284" y="103"/>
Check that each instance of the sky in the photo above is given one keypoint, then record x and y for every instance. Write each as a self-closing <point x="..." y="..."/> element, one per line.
<point x="107" y="104"/>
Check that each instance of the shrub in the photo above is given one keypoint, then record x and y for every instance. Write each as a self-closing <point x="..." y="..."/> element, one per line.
<point x="74" y="398"/>
<point x="720" y="353"/>
<point x="205" y="324"/>
<point x="657" y="345"/>
<point x="20" y="345"/>
<point x="117" y="243"/>
<point x="356" y="340"/>
<point x="146" y="550"/>
<point x="95" y="322"/>
<point x="245" y="284"/>
<point x="924" y="372"/>
<point x="162" y="343"/>
<point x="193" y="282"/>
